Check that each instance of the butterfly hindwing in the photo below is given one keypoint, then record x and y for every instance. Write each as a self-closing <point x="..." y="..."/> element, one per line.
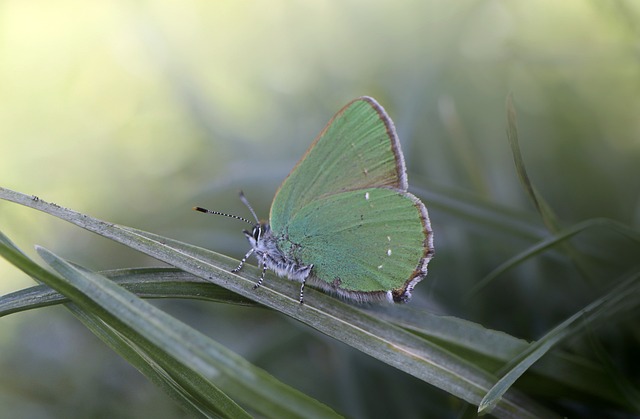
<point x="367" y="241"/>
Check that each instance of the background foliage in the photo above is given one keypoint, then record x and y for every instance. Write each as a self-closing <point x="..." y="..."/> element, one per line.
<point x="133" y="112"/>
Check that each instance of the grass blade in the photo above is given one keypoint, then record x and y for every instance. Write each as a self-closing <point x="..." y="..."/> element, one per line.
<point x="92" y="314"/>
<point x="342" y="321"/>
<point x="187" y="361"/>
<point x="144" y="282"/>
<point x="548" y="243"/>
<point x="548" y="217"/>
<point x="486" y="348"/>
<point x="625" y="296"/>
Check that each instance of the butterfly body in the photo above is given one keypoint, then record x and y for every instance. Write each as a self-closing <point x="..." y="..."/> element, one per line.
<point x="265" y="246"/>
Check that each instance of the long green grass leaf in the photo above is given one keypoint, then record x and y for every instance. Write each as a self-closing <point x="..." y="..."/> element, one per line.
<point x="342" y="321"/>
<point x="486" y="348"/>
<point x="219" y="404"/>
<point x="550" y="242"/>
<point x="625" y="296"/>
<point x="188" y="361"/>
<point x="144" y="282"/>
<point x="544" y="209"/>
<point x="539" y="203"/>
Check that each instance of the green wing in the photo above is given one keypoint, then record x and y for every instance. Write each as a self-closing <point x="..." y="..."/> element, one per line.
<point x="365" y="241"/>
<point x="357" y="149"/>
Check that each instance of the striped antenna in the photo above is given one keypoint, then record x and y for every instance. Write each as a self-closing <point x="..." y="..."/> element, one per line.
<point x="244" y="201"/>
<point x="206" y="211"/>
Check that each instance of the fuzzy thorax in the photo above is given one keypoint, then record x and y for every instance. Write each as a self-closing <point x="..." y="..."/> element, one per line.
<point x="265" y="246"/>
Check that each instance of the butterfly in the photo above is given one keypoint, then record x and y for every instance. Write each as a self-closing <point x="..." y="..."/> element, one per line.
<point x="343" y="220"/>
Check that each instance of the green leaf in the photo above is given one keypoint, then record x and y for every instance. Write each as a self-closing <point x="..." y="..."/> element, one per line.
<point x="486" y="348"/>
<point x="548" y="243"/>
<point x="624" y="297"/>
<point x="540" y="204"/>
<point x="544" y="209"/>
<point x="492" y="349"/>
<point x="347" y="323"/>
<point x="144" y="282"/>
<point x="184" y="362"/>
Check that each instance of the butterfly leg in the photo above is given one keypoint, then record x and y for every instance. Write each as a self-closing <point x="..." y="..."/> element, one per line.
<point x="304" y="281"/>
<point x="302" y="291"/>
<point x="244" y="259"/>
<point x="264" y="271"/>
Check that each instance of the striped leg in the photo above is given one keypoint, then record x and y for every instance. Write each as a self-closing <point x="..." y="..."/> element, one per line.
<point x="302" y="291"/>
<point x="244" y="259"/>
<point x="304" y="281"/>
<point x="264" y="271"/>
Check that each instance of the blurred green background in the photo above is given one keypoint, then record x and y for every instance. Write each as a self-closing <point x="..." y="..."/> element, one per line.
<point x="133" y="112"/>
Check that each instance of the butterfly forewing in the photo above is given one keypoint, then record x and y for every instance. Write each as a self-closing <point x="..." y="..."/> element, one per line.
<point x="357" y="149"/>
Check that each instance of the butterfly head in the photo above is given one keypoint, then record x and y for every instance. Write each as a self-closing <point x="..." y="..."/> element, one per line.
<point x="257" y="233"/>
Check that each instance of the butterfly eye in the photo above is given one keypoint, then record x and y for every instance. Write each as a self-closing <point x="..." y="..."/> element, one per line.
<point x="256" y="233"/>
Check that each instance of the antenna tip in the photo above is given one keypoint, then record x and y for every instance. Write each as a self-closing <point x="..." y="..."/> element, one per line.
<point x="199" y="209"/>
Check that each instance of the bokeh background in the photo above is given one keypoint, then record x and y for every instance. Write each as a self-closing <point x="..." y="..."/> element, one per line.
<point x="133" y="112"/>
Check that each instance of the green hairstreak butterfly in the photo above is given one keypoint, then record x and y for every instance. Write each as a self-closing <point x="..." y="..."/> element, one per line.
<point x="343" y="221"/>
